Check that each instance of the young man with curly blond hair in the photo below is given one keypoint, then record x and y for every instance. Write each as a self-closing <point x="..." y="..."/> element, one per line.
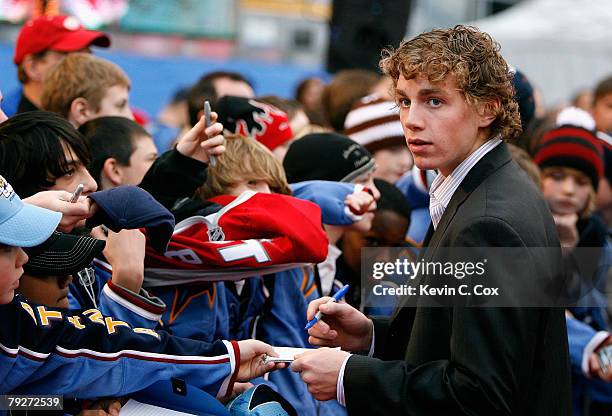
<point x="456" y="107"/>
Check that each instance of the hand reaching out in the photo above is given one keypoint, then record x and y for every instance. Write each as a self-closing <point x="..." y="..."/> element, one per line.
<point x="360" y="202"/>
<point x="594" y="365"/>
<point x="73" y="214"/>
<point x="252" y="353"/>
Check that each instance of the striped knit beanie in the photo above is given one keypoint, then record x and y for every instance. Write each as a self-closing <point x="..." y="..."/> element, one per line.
<point x="572" y="147"/>
<point x="374" y="123"/>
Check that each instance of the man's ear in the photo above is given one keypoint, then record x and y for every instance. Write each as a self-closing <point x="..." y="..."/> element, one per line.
<point x="112" y="172"/>
<point x="488" y="112"/>
<point x="32" y="69"/>
<point x="79" y="113"/>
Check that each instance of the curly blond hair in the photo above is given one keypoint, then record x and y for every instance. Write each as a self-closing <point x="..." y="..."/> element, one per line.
<point x="473" y="58"/>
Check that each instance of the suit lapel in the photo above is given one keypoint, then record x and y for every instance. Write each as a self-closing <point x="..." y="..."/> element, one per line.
<point x="450" y="211"/>
<point x="427" y="238"/>
<point x="403" y="317"/>
<point x="485" y="167"/>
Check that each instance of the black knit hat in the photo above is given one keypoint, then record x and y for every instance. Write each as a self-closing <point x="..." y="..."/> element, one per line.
<point x="326" y="156"/>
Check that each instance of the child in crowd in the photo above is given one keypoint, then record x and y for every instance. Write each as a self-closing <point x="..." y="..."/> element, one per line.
<point x="206" y="301"/>
<point x="45" y="281"/>
<point x="263" y="228"/>
<point x="249" y="166"/>
<point x="570" y="159"/>
<point x="389" y="227"/>
<point x="333" y="157"/>
<point x="374" y="123"/>
<point x="56" y="338"/>
<point x="122" y="151"/>
<point x="52" y="266"/>
<point x="602" y="105"/>
<point x="42" y="151"/>
<point x="82" y="87"/>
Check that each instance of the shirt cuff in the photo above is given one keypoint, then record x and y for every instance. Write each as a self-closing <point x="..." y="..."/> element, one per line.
<point x="142" y="304"/>
<point x="353" y="217"/>
<point x="371" y="351"/>
<point x="233" y="350"/>
<point x="590" y="348"/>
<point x="340" y="383"/>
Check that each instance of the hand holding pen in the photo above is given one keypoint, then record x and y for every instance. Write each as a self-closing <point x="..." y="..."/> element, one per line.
<point x="74" y="209"/>
<point x="337" y="296"/>
<point x="342" y="325"/>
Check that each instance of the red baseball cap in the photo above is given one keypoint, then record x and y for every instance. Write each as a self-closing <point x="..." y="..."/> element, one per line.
<point x="58" y="33"/>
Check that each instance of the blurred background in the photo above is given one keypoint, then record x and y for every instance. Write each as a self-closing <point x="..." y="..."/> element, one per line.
<point x="163" y="45"/>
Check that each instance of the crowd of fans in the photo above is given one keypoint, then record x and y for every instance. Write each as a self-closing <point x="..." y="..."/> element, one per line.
<point x="168" y="266"/>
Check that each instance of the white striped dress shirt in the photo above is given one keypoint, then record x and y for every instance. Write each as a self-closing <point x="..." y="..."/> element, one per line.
<point x="443" y="187"/>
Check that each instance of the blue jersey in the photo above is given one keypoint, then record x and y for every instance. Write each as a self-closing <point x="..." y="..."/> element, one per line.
<point x="197" y="311"/>
<point x="587" y="326"/>
<point x="86" y="355"/>
<point x="282" y="324"/>
<point x="138" y="309"/>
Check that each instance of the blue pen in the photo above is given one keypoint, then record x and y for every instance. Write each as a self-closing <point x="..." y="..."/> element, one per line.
<point x="337" y="296"/>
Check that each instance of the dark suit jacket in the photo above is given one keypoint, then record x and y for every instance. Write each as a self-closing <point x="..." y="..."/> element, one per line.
<point x="473" y="361"/>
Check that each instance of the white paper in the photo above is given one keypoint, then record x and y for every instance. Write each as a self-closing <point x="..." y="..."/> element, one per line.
<point x="287" y="354"/>
<point x="136" y="408"/>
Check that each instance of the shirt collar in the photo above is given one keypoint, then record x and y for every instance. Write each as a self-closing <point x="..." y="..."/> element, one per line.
<point x="443" y="187"/>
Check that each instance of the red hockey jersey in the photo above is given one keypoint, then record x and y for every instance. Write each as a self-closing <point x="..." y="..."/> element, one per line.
<point x="252" y="234"/>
